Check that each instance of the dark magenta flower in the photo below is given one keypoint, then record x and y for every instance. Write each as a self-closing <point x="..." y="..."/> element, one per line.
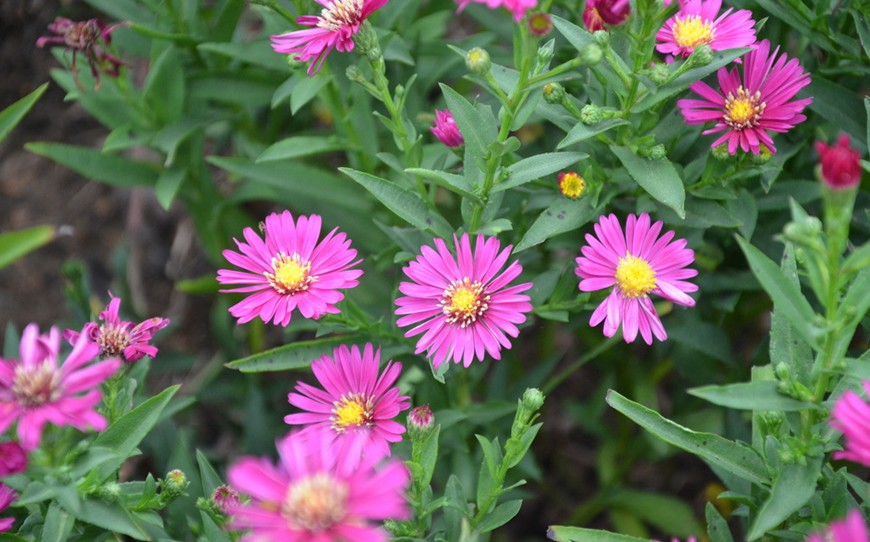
<point x="84" y="37"/>
<point x="841" y="164"/>
<point x="13" y="458"/>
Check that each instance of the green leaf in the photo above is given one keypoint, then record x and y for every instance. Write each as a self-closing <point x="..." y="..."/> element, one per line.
<point x="168" y="184"/>
<point x="667" y="513"/>
<point x="403" y="202"/>
<point x="209" y="477"/>
<point x="563" y="215"/>
<point x="18" y="243"/>
<point x="734" y="457"/>
<point x="93" y="164"/>
<point x="794" y="486"/>
<point x="164" y="88"/>
<point x="580" y="38"/>
<point x="682" y="82"/>
<point x="839" y="105"/>
<point x="455" y="183"/>
<point x="657" y="177"/>
<point x="12" y="115"/>
<point x="756" y="395"/>
<point x="113" y="517"/>
<point x="500" y="515"/>
<point x="58" y="524"/>
<point x="786" y="346"/>
<point x="306" y="89"/>
<point x="717" y="527"/>
<point x="785" y="294"/>
<point x="125" y="433"/>
<point x="257" y="52"/>
<point x="477" y="131"/>
<point x="581" y="132"/>
<point x="538" y="166"/>
<point x="563" y="533"/>
<point x="429" y="456"/>
<point x="295" y="355"/>
<point x="295" y="147"/>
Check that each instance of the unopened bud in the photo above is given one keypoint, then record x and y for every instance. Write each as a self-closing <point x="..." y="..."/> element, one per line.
<point x="477" y="61"/>
<point x="656" y="152"/>
<point x="554" y="93"/>
<point x="701" y="56"/>
<point x="659" y="74"/>
<point x="354" y="73"/>
<point x="293" y="63"/>
<point x="721" y="152"/>
<point x="763" y="155"/>
<point x="590" y="114"/>
<point x="602" y="37"/>
<point x="224" y="498"/>
<point x="175" y="483"/>
<point x="533" y="399"/>
<point x="545" y="53"/>
<point x="110" y="491"/>
<point x="421" y="417"/>
<point x="591" y="54"/>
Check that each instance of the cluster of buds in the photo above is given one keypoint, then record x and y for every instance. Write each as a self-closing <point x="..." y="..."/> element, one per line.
<point x="84" y="37"/>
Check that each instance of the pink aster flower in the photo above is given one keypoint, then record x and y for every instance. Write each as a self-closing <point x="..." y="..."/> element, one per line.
<point x="840" y="164"/>
<point x="6" y="498"/>
<point x="851" y="416"/>
<point x="517" y="7"/>
<point x="334" y="28"/>
<point x="746" y="111"/>
<point x="316" y="493"/>
<point x="599" y="12"/>
<point x="697" y="24"/>
<point x="462" y="304"/>
<point x="445" y="129"/>
<point x="13" y="459"/>
<point x="36" y="390"/>
<point x="851" y="529"/>
<point x="118" y="338"/>
<point x="290" y="269"/>
<point x="357" y="404"/>
<point x="634" y="264"/>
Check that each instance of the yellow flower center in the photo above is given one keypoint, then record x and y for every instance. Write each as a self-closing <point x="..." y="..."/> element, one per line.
<point x="352" y="410"/>
<point x="634" y="276"/>
<point x="340" y="13"/>
<point x="464" y="302"/>
<point x="290" y="275"/>
<point x="38" y="385"/>
<point x="571" y="185"/>
<point x="693" y="31"/>
<point x="315" y="503"/>
<point x="743" y="110"/>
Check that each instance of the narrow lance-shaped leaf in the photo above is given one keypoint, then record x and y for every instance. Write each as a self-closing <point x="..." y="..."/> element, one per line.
<point x="16" y="244"/>
<point x="657" y="177"/>
<point x="794" y="486"/>
<point x="538" y="166"/>
<point x="295" y="355"/>
<point x="12" y="115"/>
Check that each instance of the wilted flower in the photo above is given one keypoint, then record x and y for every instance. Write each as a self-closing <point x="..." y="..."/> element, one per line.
<point x="445" y="129"/>
<point x="851" y="529"/>
<point x="461" y="304"/>
<point x="634" y="264"/>
<point x="571" y="185"/>
<point x="747" y="111"/>
<point x="840" y="163"/>
<point x="851" y="416"/>
<point x="357" y="405"/>
<point x="317" y="493"/>
<point x="6" y="498"/>
<point x="13" y="459"/>
<point x="84" y="37"/>
<point x="118" y="338"/>
<point x="334" y="28"/>
<point x="697" y="24"/>
<point x="290" y="269"/>
<point x="37" y="389"/>
<point x="540" y="24"/>
<point x="599" y="12"/>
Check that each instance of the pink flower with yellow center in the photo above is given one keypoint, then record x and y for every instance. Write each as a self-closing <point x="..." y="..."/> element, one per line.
<point x="317" y="493"/>
<point x="851" y="529"/>
<point x="334" y="28"/>
<point x="6" y="498"/>
<point x="357" y="405"/>
<point x="37" y="389"/>
<point x="697" y="24"/>
<point x="747" y="110"/>
<point x="462" y="304"/>
<point x="290" y="269"/>
<point x="634" y="264"/>
<point x="118" y="338"/>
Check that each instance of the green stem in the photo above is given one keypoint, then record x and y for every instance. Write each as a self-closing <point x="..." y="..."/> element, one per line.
<point x="583" y="360"/>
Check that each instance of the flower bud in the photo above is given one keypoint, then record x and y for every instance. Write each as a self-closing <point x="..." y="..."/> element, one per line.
<point x="477" y="61"/>
<point x="590" y="114"/>
<point x="421" y="417"/>
<point x="354" y="73"/>
<point x="656" y="152"/>
<point x="545" y="53"/>
<point x="111" y="491"/>
<point x="540" y="24"/>
<point x="554" y="93"/>
<point x="602" y="37"/>
<point x="446" y="131"/>
<point x="571" y="184"/>
<point x="175" y="483"/>
<point x="13" y="459"/>
<point x="223" y="498"/>
<point x="840" y="164"/>
<point x="533" y="399"/>
<point x="721" y="152"/>
<point x="763" y="155"/>
<point x="701" y="56"/>
<point x="591" y="54"/>
<point x="659" y="74"/>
